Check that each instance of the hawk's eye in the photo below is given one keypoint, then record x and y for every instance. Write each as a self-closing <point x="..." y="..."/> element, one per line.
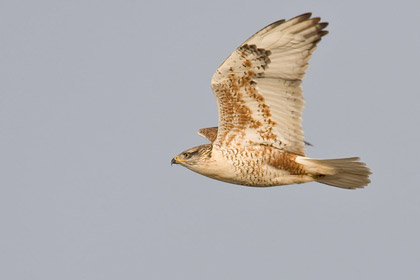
<point x="186" y="155"/>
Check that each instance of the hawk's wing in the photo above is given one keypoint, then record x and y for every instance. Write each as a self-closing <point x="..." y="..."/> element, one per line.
<point x="258" y="88"/>
<point x="210" y="133"/>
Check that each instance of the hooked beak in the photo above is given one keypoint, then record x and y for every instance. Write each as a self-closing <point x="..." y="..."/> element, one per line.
<point x="174" y="161"/>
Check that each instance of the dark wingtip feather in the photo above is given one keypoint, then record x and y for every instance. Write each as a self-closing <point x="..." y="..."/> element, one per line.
<point x="303" y="16"/>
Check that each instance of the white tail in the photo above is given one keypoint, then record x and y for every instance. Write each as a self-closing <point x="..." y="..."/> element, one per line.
<point x="346" y="173"/>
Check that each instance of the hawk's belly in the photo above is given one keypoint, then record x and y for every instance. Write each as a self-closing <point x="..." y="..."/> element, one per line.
<point x="260" y="166"/>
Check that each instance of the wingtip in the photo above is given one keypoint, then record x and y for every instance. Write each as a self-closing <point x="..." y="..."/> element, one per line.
<point x="304" y="15"/>
<point x="323" y="24"/>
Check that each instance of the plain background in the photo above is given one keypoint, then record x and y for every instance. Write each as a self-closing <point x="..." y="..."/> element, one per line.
<point x="96" y="97"/>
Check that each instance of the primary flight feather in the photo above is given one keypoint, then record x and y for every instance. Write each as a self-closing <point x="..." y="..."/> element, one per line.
<point x="259" y="139"/>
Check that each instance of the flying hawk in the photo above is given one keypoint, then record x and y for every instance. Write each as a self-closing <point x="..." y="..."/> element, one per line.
<point x="259" y="139"/>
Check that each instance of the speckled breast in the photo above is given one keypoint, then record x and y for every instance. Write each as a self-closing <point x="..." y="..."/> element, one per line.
<point x="262" y="166"/>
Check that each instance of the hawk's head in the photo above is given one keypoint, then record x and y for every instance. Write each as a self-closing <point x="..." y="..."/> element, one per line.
<point x="193" y="157"/>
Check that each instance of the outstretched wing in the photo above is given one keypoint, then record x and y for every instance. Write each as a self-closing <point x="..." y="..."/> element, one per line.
<point x="258" y="88"/>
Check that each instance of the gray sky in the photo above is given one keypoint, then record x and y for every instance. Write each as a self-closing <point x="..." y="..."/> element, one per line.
<point x="96" y="97"/>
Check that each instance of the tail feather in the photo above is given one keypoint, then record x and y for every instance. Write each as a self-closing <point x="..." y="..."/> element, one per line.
<point x="346" y="173"/>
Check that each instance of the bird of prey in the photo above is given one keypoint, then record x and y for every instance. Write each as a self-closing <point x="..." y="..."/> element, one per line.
<point x="259" y="139"/>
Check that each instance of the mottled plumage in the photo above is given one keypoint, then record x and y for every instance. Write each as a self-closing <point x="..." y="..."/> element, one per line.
<point x="259" y="139"/>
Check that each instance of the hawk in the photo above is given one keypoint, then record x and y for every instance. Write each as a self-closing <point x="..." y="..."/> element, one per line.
<point x="259" y="139"/>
